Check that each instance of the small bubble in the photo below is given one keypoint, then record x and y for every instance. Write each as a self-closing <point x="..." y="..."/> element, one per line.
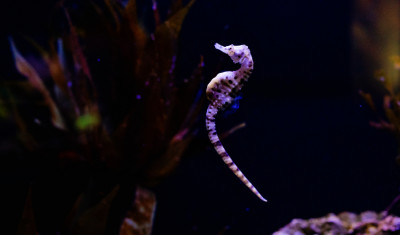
<point x="146" y="83"/>
<point x="37" y="121"/>
<point x="98" y="59"/>
<point x="360" y="105"/>
<point x="247" y="209"/>
<point x="138" y="97"/>
<point x="69" y="84"/>
<point x="382" y="79"/>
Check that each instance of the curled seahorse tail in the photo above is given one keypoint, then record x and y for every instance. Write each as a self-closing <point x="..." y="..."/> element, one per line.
<point x="212" y="134"/>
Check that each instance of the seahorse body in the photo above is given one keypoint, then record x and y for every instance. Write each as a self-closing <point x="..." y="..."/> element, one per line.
<point x="221" y="92"/>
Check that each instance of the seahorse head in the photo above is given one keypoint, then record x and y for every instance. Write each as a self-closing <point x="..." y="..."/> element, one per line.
<point x="237" y="53"/>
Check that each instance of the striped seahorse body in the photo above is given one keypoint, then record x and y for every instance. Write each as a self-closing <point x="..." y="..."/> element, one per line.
<point x="221" y="92"/>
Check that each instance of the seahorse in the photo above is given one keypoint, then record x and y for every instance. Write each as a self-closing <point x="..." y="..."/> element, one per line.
<point x="221" y="92"/>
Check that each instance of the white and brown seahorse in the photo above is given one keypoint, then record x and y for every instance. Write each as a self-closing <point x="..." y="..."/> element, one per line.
<point x="221" y="92"/>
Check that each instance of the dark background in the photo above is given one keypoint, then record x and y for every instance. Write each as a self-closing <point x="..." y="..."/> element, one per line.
<point x="307" y="146"/>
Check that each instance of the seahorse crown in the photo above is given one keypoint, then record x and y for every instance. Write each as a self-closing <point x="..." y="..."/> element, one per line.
<point x="221" y="91"/>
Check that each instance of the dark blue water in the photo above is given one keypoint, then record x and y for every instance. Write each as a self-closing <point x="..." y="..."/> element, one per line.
<point x="307" y="145"/>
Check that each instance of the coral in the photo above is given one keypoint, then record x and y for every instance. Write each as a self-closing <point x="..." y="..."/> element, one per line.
<point x="367" y="223"/>
<point x="102" y="114"/>
<point x="140" y="215"/>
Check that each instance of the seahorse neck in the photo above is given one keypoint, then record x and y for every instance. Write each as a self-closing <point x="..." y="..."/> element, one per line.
<point x="242" y="69"/>
<point x="247" y="64"/>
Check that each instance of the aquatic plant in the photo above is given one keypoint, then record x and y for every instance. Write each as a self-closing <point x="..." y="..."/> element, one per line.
<point x="375" y="34"/>
<point x="101" y="115"/>
<point x="390" y="99"/>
